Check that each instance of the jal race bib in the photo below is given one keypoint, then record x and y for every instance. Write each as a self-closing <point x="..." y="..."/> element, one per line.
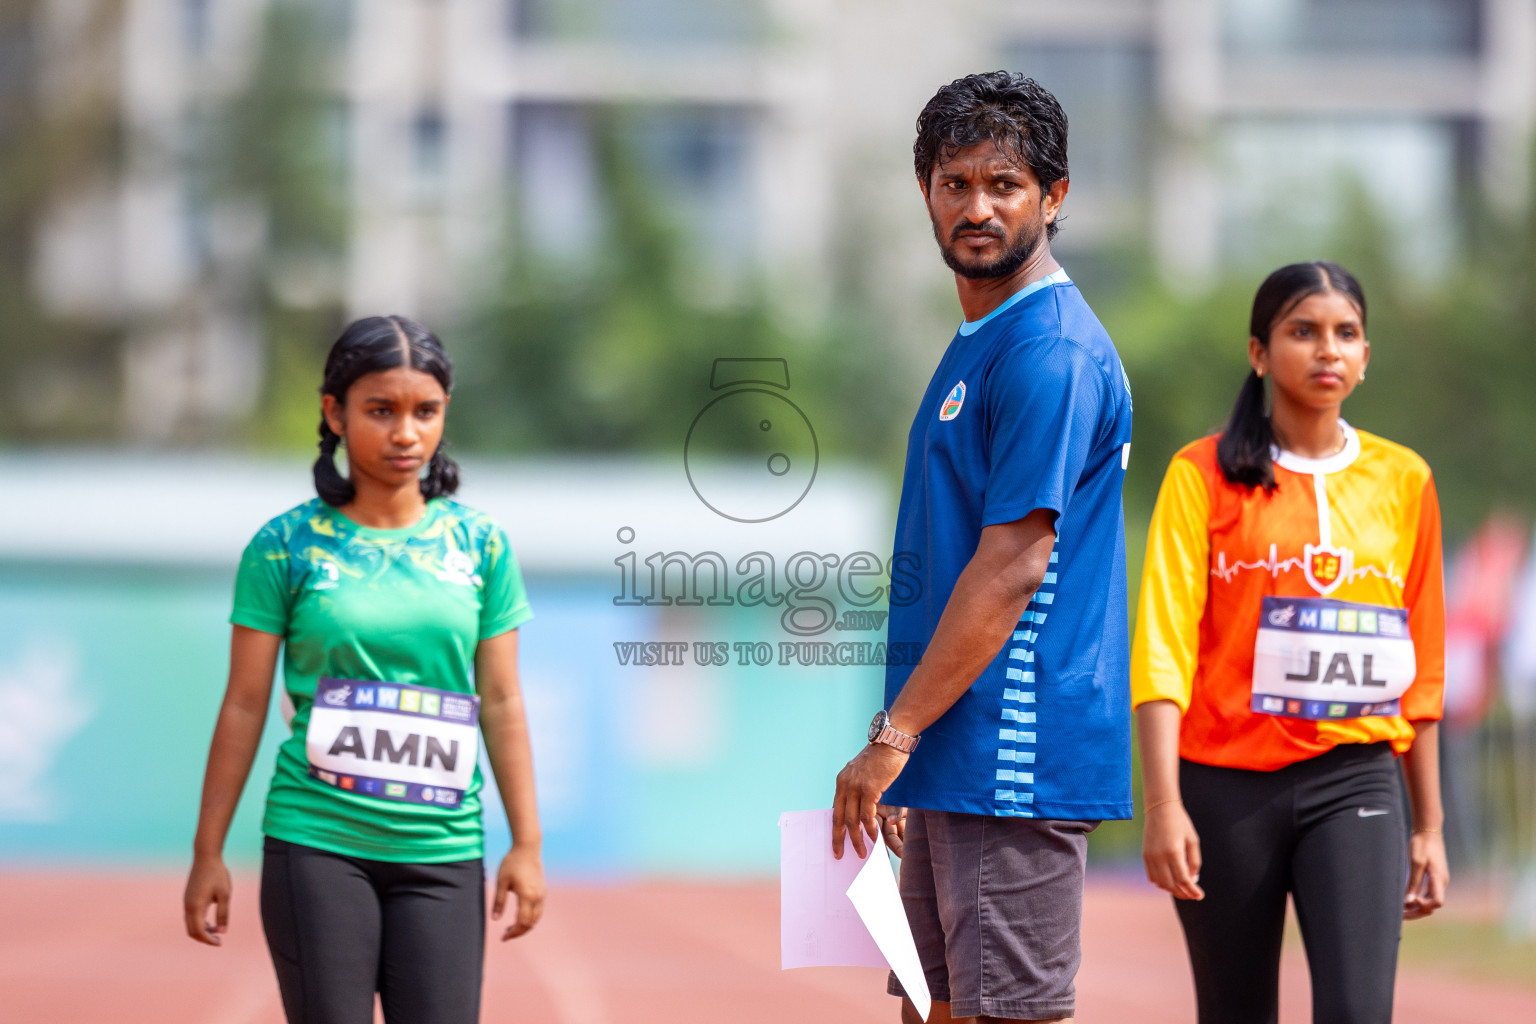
<point x="1323" y="659"/>
<point x="409" y="743"/>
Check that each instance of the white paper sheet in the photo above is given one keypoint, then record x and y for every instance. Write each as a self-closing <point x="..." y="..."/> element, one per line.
<point x="875" y="896"/>
<point x="818" y="926"/>
<point x="842" y="913"/>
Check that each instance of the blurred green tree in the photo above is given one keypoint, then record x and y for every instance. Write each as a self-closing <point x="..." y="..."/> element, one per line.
<point x="615" y="355"/>
<point x="1453" y="362"/>
<point x="277" y="150"/>
<point x="58" y="372"/>
<point x="270" y="158"/>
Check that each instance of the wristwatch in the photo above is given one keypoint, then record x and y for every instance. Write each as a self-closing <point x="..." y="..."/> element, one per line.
<point x="882" y="731"/>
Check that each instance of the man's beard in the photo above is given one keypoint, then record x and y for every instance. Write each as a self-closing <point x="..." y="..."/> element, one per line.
<point x="1013" y="256"/>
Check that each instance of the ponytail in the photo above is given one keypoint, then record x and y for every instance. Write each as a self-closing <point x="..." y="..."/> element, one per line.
<point x="370" y="345"/>
<point x="1243" y="450"/>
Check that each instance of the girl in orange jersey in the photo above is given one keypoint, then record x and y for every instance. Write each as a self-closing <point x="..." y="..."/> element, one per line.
<point x="1289" y="652"/>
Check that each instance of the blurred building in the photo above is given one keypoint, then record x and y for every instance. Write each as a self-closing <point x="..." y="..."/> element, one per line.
<point x="776" y="133"/>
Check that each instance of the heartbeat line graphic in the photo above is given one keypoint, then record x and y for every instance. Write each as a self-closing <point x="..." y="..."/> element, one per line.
<point x="1272" y="565"/>
<point x="1275" y="566"/>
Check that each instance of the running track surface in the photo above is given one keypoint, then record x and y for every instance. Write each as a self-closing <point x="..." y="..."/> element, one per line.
<point x="109" y="948"/>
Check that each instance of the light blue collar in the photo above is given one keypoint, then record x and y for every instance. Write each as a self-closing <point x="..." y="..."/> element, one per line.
<point x="970" y="327"/>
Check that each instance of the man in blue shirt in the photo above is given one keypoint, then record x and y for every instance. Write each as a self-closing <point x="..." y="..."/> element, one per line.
<point x="1010" y="740"/>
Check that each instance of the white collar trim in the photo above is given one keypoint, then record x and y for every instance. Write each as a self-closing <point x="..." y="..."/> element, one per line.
<point x="1332" y="464"/>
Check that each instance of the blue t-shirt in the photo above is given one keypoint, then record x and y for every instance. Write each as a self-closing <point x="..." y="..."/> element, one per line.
<point x="1029" y="409"/>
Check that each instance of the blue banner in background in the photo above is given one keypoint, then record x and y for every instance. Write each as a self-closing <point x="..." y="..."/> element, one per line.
<point x="110" y="683"/>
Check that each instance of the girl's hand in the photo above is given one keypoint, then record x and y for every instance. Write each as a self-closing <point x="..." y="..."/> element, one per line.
<point x="1428" y="875"/>
<point x="1170" y="848"/>
<point x="522" y="872"/>
<point x="207" y="883"/>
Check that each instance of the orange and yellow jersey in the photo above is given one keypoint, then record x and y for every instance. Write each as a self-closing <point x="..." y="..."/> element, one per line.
<point x="1360" y="526"/>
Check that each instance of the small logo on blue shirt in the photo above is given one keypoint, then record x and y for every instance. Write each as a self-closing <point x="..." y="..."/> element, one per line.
<point x="952" y="405"/>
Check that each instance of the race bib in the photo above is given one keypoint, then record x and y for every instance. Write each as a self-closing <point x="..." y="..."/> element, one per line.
<point x="1323" y="659"/>
<point x="409" y="743"/>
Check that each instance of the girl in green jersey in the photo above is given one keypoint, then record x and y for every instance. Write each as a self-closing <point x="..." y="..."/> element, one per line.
<point x="396" y="610"/>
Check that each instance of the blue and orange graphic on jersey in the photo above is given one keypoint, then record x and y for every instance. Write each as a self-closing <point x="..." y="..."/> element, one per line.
<point x="951" y="407"/>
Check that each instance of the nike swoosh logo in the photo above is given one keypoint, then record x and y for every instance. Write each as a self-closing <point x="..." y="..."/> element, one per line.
<point x="1371" y="814"/>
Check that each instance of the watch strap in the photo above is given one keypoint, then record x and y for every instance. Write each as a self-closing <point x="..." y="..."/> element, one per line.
<point x="893" y="737"/>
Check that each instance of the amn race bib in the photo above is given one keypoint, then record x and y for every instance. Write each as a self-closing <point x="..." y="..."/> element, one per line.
<point x="1323" y="659"/>
<point x="410" y="743"/>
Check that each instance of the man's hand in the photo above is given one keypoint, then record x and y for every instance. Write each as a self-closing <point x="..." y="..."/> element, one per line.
<point x="893" y="824"/>
<point x="995" y="587"/>
<point x="860" y="785"/>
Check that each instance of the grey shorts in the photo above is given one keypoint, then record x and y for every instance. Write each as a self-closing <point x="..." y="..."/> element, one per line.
<point x="996" y="907"/>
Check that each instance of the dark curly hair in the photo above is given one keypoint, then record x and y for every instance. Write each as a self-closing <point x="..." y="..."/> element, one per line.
<point x="1016" y="113"/>
<point x="367" y="346"/>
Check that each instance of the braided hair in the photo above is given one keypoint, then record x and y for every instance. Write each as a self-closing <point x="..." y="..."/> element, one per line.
<point x="370" y="345"/>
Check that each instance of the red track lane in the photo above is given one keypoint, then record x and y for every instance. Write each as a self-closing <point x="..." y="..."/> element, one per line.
<point x="78" y="947"/>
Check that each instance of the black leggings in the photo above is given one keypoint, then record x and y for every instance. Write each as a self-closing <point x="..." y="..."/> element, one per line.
<point x="341" y="928"/>
<point x="1330" y="832"/>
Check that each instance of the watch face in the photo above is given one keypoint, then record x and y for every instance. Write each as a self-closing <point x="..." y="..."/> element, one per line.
<point x="878" y="725"/>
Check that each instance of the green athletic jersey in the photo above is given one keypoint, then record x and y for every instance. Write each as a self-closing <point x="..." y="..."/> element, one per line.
<point x="403" y="606"/>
